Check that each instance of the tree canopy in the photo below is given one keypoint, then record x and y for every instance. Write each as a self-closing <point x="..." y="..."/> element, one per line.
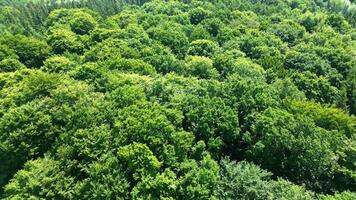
<point x="178" y="99"/>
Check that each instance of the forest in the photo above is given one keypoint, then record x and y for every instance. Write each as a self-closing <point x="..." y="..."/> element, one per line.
<point x="178" y="99"/>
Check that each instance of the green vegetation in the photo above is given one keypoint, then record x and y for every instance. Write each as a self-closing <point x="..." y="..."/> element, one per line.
<point x="178" y="99"/>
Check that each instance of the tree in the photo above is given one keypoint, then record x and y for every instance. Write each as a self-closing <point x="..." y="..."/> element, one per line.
<point x="124" y="99"/>
<point x="296" y="148"/>
<point x="312" y="21"/>
<point x="205" y="48"/>
<point x="138" y="161"/>
<point x="111" y="49"/>
<point x="40" y="179"/>
<point x="171" y="36"/>
<point x="198" y="14"/>
<point x="317" y="88"/>
<point x="212" y="25"/>
<point x="28" y="137"/>
<point x="282" y="189"/>
<point x="265" y="49"/>
<point x="351" y="90"/>
<point x="127" y="95"/>
<point x="338" y="22"/>
<point x="328" y="117"/>
<point x="10" y="19"/>
<point x="132" y="65"/>
<point x="58" y="64"/>
<point x="250" y="96"/>
<point x="244" y="180"/>
<point x="106" y="180"/>
<point x="200" y="179"/>
<point x="163" y="60"/>
<point x="62" y="40"/>
<point x="10" y="65"/>
<point x="245" y="68"/>
<point x="198" y="33"/>
<point x="339" y="196"/>
<point x="82" y="23"/>
<point x="211" y="120"/>
<point x="156" y="127"/>
<point x="7" y="52"/>
<point x="31" y="51"/>
<point x="123" y="19"/>
<point x="161" y="186"/>
<point x="244" y="20"/>
<point x="33" y="119"/>
<point x="288" y="31"/>
<point x="92" y="74"/>
<point x="201" y="67"/>
<point x="83" y="149"/>
<point x="80" y="20"/>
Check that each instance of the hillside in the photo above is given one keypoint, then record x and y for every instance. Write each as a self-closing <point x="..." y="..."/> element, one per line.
<point x="178" y="99"/>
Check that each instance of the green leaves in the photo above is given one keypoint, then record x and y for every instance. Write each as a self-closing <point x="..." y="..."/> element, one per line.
<point x="31" y="51"/>
<point x="82" y="23"/>
<point x="154" y="125"/>
<point x="198" y="14"/>
<point x="302" y="151"/>
<point x="161" y="186"/>
<point x="40" y="179"/>
<point x="211" y="120"/>
<point x="205" y="48"/>
<point x="288" y="31"/>
<point x="242" y="180"/>
<point x="138" y="160"/>
<point x="58" y="64"/>
<point x="171" y="35"/>
<point x="132" y="65"/>
<point x="201" y="179"/>
<point x="168" y="99"/>
<point x="201" y="67"/>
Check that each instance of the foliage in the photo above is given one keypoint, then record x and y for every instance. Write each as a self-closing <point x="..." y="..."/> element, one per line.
<point x="167" y="99"/>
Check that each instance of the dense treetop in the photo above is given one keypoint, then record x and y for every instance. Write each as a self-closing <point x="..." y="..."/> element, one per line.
<point x="178" y="99"/>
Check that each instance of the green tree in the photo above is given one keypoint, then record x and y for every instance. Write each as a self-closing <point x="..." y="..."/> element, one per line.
<point x="297" y="149"/>
<point x="40" y="179"/>
<point x="131" y="65"/>
<point x="205" y="48"/>
<point x="31" y="51"/>
<point x="201" y="67"/>
<point x="82" y="23"/>
<point x="198" y="14"/>
<point x="242" y="180"/>
<point x="161" y="186"/>
<point x="58" y="64"/>
<point x="200" y="180"/>
<point x="10" y="65"/>
<point x="62" y="40"/>
<point x="339" y="196"/>
<point x="106" y="180"/>
<point x="211" y="120"/>
<point x="317" y="88"/>
<point x="10" y="20"/>
<point x="138" y="160"/>
<point x="171" y="36"/>
<point x="156" y="127"/>
<point x="123" y="19"/>
<point x="7" y="52"/>
<point x="288" y="31"/>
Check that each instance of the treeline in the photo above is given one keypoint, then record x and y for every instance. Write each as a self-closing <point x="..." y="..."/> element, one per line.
<point x="346" y="7"/>
<point x="26" y="17"/>
<point x="233" y="99"/>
